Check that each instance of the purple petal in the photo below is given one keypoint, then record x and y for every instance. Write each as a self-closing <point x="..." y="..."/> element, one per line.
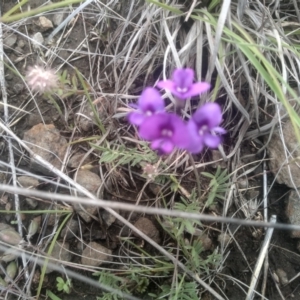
<point x="181" y="137"/>
<point x="151" y="128"/>
<point x="212" y="141"/>
<point x="166" y="84"/>
<point x="196" y="142"/>
<point x="163" y="146"/>
<point x="183" y="78"/>
<point x="209" y="114"/>
<point x="197" y="89"/>
<point x="136" y="118"/>
<point x="150" y="100"/>
<point x="219" y="130"/>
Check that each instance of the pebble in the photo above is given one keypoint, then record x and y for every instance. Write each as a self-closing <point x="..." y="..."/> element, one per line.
<point x="46" y="141"/>
<point x="9" y="41"/>
<point x="37" y="40"/>
<point x="28" y="182"/>
<point x="148" y="228"/>
<point x="70" y="229"/>
<point x="45" y="23"/>
<point x="95" y="255"/>
<point x="61" y="252"/>
<point x="92" y="183"/>
<point x="59" y="17"/>
<point x="282" y="276"/>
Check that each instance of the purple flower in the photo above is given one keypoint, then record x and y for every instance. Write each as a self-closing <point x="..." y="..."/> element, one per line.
<point x="202" y="127"/>
<point x="182" y="85"/>
<point x="149" y="103"/>
<point x="165" y="131"/>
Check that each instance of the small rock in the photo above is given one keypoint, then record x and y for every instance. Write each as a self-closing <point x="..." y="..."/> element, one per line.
<point x="61" y="251"/>
<point x="9" y="41"/>
<point x="45" y="23"/>
<point x="70" y="230"/>
<point x="286" y="172"/>
<point x="206" y="242"/>
<point x="224" y="238"/>
<point x="95" y="255"/>
<point x="92" y="183"/>
<point x="21" y="43"/>
<point x="28" y="182"/>
<point x="46" y="141"/>
<point x="243" y="184"/>
<point x="31" y="202"/>
<point x="282" y="276"/>
<point x="10" y="236"/>
<point x="76" y="159"/>
<point x="59" y="17"/>
<point x="292" y="211"/>
<point x="108" y="218"/>
<point x="148" y="228"/>
<point x="37" y="40"/>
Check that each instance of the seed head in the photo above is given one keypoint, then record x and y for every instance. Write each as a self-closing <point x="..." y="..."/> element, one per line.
<point x="41" y="80"/>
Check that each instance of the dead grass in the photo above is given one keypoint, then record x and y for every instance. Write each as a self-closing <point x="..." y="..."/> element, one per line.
<point x="249" y="52"/>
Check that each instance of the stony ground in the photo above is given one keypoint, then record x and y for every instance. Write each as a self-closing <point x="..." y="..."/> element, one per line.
<point x="91" y="237"/>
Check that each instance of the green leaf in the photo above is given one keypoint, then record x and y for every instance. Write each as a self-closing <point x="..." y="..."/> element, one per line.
<point x="52" y="296"/>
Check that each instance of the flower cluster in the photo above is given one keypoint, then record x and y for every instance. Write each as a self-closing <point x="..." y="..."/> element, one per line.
<point x="167" y="130"/>
<point x="41" y="80"/>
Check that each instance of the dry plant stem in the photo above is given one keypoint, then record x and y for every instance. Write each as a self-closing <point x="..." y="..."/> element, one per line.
<point x="143" y="209"/>
<point x="265" y="204"/>
<point x="40" y="260"/>
<point x="66" y="21"/>
<point x="260" y="260"/>
<point x="78" y="187"/>
<point x="10" y="148"/>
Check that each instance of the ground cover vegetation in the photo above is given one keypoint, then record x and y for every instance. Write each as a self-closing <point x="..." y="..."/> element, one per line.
<point x="149" y="149"/>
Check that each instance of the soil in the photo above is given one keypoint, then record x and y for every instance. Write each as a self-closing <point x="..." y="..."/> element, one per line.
<point x="283" y="252"/>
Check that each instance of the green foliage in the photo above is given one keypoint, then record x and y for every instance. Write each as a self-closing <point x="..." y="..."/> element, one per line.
<point x="184" y="290"/>
<point x="10" y="16"/>
<point x="114" y="282"/>
<point x="52" y="296"/>
<point x="217" y="186"/>
<point x="121" y="155"/>
<point x="63" y="286"/>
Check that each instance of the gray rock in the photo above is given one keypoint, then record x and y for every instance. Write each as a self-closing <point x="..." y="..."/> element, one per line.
<point x="37" y="40"/>
<point x="148" y="228"/>
<point x="70" y="229"/>
<point x="282" y="276"/>
<point x="28" y="182"/>
<point x="75" y="160"/>
<point x="46" y="141"/>
<point x="95" y="255"/>
<point x="292" y="211"/>
<point x="61" y="252"/>
<point x="45" y="23"/>
<point x="278" y="164"/>
<point x="10" y="41"/>
<point x="31" y="202"/>
<point x="21" y="43"/>
<point x="59" y="17"/>
<point x="92" y="183"/>
<point x="108" y="218"/>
